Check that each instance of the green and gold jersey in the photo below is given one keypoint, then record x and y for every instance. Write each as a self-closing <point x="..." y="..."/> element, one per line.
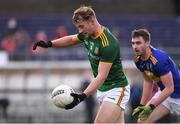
<point x="105" y="48"/>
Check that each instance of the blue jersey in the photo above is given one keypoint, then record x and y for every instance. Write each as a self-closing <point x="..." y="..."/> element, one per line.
<point x="157" y="65"/>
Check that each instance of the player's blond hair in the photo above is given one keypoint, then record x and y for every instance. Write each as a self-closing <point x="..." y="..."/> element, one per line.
<point x="83" y="13"/>
<point x="143" y="33"/>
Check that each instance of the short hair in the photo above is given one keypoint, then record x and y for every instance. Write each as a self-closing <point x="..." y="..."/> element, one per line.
<point x="83" y="13"/>
<point x="143" y="33"/>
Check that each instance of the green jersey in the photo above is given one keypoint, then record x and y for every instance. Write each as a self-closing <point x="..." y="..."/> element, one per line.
<point x="105" y="48"/>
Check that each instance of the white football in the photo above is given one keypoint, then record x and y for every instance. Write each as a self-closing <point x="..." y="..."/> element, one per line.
<point x="61" y="96"/>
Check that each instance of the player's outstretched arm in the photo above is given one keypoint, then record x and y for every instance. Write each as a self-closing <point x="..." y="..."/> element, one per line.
<point x="61" y="42"/>
<point x="103" y="71"/>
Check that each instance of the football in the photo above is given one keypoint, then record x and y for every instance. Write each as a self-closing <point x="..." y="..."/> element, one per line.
<point x="61" y="96"/>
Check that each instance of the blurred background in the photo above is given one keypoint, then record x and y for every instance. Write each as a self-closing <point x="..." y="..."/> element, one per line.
<point x="28" y="77"/>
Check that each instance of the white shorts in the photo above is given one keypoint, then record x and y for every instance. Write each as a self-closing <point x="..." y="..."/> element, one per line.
<point x="173" y="105"/>
<point x="119" y="96"/>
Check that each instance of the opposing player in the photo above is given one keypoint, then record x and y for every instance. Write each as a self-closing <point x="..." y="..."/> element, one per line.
<point x="156" y="67"/>
<point x="104" y="55"/>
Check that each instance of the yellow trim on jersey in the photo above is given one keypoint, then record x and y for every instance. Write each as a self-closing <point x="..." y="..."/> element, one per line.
<point x="121" y="97"/>
<point x="100" y="32"/>
<point x="103" y="43"/>
<point x="153" y="59"/>
<point x="79" y="40"/>
<point x="136" y="58"/>
<point x="105" y="62"/>
<point x="104" y="39"/>
<point x="107" y="41"/>
<point x="152" y="76"/>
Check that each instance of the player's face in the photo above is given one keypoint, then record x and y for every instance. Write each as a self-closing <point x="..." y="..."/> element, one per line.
<point x="139" y="46"/>
<point x="85" y="27"/>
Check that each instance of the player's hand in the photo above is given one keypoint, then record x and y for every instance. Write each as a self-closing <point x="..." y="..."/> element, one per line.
<point x="137" y="110"/>
<point x="77" y="99"/>
<point x="143" y="116"/>
<point x="42" y="44"/>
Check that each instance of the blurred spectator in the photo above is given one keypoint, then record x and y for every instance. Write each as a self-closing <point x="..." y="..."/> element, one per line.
<point x="136" y="92"/>
<point x="136" y="89"/>
<point x="16" y="41"/>
<point x="40" y="53"/>
<point x="11" y="26"/>
<point x="4" y="103"/>
<point x="135" y="97"/>
<point x="61" y="31"/>
<point x="7" y="42"/>
<point x="22" y="49"/>
<point x="90" y="101"/>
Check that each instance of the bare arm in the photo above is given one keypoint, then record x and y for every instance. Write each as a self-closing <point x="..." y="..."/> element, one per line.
<point x="103" y="71"/>
<point x="147" y="89"/>
<point x="167" y="80"/>
<point x="66" y="41"/>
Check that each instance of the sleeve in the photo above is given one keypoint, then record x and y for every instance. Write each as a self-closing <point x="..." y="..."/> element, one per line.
<point x="163" y="67"/>
<point x="109" y="53"/>
<point x="81" y="37"/>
